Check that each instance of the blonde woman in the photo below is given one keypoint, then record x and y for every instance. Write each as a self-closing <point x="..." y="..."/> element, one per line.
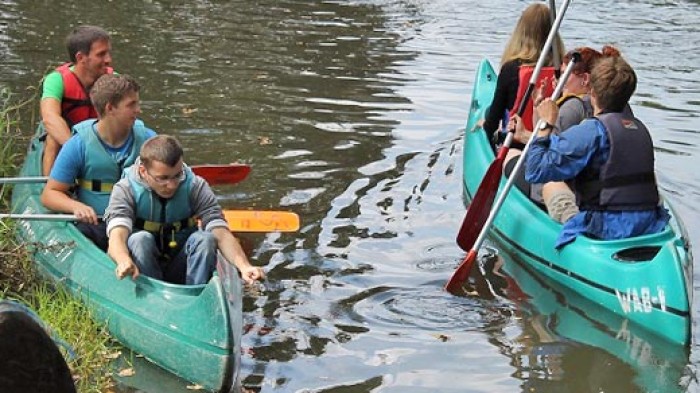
<point x="517" y="63"/>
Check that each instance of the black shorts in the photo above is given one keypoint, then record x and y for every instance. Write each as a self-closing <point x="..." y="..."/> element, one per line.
<point x="96" y="233"/>
<point x="520" y="179"/>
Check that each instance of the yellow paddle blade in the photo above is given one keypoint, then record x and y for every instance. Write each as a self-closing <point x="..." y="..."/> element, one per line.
<point x="261" y="221"/>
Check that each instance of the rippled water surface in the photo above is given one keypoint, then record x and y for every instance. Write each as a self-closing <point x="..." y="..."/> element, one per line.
<point x="351" y="114"/>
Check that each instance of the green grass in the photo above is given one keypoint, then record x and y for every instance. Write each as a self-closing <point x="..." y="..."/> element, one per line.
<point x="66" y="316"/>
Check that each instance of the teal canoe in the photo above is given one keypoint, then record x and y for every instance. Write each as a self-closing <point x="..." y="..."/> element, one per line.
<point x="192" y="331"/>
<point x="646" y="280"/>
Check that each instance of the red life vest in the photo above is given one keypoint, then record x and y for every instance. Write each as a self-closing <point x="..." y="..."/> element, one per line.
<point x="75" y="105"/>
<point x="524" y="75"/>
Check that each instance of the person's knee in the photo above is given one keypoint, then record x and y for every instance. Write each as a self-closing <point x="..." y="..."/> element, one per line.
<point x="202" y="240"/>
<point x="561" y="205"/>
<point x="142" y="236"/>
<point x="142" y="243"/>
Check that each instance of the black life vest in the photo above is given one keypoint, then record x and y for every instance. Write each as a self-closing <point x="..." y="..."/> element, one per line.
<point x="626" y="180"/>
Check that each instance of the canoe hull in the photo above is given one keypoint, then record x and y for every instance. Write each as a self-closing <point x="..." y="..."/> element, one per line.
<point x="183" y="329"/>
<point x="645" y="279"/>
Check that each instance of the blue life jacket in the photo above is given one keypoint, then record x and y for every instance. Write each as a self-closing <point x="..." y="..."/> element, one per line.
<point x="626" y="181"/>
<point x="101" y="171"/>
<point x="170" y="220"/>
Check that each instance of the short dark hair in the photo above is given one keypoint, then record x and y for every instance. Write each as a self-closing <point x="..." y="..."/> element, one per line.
<point x="111" y="88"/>
<point x="613" y="82"/>
<point x="161" y="148"/>
<point x="29" y="359"/>
<point x="82" y="38"/>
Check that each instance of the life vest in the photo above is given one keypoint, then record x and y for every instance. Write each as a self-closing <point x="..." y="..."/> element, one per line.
<point x="626" y="180"/>
<point x="101" y="171"/>
<point x="169" y="220"/>
<point x="75" y="105"/>
<point x="524" y="75"/>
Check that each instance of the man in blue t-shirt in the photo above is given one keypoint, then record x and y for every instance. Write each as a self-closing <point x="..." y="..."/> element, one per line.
<point x="93" y="158"/>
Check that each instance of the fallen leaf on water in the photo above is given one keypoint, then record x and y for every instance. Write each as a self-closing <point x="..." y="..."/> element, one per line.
<point x="441" y="337"/>
<point x="189" y="111"/>
<point x="127" y="372"/>
<point x="264" y="140"/>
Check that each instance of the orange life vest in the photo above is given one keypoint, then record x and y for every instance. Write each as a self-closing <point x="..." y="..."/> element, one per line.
<point x="524" y="75"/>
<point x="75" y="105"/>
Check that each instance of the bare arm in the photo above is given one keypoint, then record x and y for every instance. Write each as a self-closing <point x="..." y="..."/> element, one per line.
<point x="57" y="198"/>
<point x="55" y="125"/>
<point x="119" y="252"/>
<point x="232" y="251"/>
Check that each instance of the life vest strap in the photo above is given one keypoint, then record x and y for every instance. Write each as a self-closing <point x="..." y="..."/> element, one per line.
<point x="157" y="227"/>
<point x="630" y="179"/>
<point x="95" y="185"/>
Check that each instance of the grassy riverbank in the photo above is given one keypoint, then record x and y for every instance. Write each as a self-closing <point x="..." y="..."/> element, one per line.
<point x="92" y="347"/>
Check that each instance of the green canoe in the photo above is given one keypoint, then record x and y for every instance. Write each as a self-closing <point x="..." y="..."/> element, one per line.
<point x="646" y="280"/>
<point x="185" y="329"/>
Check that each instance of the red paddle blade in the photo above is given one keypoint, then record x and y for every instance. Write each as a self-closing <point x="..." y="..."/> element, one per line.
<point x="478" y="211"/>
<point x="222" y="174"/>
<point x="460" y="275"/>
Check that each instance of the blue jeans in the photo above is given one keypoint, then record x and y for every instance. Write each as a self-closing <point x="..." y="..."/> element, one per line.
<point x="193" y="265"/>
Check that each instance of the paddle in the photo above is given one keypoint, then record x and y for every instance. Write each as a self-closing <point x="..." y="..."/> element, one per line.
<point x="222" y="174"/>
<point x="214" y="174"/>
<point x="238" y="220"/>
<point x="556" y="58"/>
<point x="462" y="272"/>
<point x="477" y="212"/>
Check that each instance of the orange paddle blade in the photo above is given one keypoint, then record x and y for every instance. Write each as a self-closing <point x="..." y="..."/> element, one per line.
<point x="261" y="221"/>
<point x="460" y="276"/>
<point x="222" y="174"/>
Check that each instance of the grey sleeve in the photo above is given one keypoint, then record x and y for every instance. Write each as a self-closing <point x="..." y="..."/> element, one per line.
<point x="205" y="205"/>
<point x="121" y="209"/>
<point x="571" y="113"/>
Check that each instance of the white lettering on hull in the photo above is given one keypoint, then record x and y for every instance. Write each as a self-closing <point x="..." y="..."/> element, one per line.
<point x="641" y="300"/>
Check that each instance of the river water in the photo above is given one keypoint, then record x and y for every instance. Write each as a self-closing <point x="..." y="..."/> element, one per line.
<point x="351" y="114"/>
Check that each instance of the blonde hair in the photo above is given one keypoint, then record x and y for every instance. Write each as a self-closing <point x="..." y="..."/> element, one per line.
<point x="530" y="35"/>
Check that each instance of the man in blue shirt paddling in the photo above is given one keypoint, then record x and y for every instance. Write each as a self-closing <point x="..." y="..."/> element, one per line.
<point x="610" y="159"/>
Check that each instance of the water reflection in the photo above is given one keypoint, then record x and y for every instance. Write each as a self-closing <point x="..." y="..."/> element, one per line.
<point x="571" y="344"/>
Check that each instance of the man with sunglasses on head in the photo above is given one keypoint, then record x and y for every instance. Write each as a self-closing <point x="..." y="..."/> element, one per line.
<point x="93" y="159"/>
<point x="165" y="222"/>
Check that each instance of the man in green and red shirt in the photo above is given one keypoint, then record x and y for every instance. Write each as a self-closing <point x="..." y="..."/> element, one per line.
<point x="65" y="99"/>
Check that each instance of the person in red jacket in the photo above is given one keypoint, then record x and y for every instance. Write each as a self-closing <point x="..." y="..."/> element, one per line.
<point x="65" y="99"/>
